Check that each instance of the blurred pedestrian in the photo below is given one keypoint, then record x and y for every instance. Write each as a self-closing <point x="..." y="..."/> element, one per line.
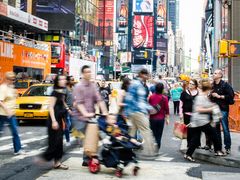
<point x="105" y="92"/>
<point x="223" y="94"/>
<point x="69" y="106"/>
<point x="175" y="96"/>
<point x="166" y="90"/>
<point x="190" y="92"/>
<point x="137" y="110"/>
<point x="56" y="123"/>
<point x="122" y="94"/>
<point x="85" y="97"/>
<point x="8" y="95"/>
<point x="157" y="120"/>
<point x="200" y="121"/>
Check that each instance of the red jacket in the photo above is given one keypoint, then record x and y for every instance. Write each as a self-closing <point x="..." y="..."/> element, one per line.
<point x="156" y="99"/>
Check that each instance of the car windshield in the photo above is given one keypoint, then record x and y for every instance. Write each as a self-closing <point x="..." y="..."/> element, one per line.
<point x="21" y="85"/>
<point x="39" y="91"/>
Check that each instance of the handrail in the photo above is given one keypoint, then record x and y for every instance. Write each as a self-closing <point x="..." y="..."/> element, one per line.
<point x="24" y="41"/>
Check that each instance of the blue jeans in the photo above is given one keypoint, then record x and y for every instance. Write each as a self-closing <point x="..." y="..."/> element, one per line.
<point x="13" y="127"/>
<point x="226" y="132"/>
<point x="68" y="125"/>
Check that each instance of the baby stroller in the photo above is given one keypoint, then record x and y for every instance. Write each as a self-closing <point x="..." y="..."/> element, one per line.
<point x="117" y="147"/>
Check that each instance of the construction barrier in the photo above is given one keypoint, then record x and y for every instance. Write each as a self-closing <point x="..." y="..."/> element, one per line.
<point x="234" y="115"/>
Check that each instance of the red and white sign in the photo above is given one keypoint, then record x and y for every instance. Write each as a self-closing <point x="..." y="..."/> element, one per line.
<point x="26" y="18"/>
<point x="142" y="31"/>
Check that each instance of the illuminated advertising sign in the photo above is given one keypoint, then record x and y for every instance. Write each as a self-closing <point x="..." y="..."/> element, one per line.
<point x="122" y="42"/>
<point x="143" y="6"/>
<point x="142" y="31"/>
<point x="162" y="43"/>
<point x="105" y="19"/>
<point x="121" y="15"/>
<point x="161" y="19"/>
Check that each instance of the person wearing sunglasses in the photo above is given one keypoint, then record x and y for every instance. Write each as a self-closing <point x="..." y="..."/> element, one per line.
<point x="8" y="95"/>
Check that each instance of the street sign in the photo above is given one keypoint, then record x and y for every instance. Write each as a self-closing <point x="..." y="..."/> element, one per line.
<point x="234" y="49"/>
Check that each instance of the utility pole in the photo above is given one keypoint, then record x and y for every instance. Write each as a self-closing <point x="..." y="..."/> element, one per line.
<point x="190" y="60"/>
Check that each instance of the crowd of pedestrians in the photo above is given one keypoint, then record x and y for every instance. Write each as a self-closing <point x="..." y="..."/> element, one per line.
<point x="202" y="106"/>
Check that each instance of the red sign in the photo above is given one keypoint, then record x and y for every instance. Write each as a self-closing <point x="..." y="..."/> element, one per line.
<point x="143" y="31"/>
<point x="105" y="18"/>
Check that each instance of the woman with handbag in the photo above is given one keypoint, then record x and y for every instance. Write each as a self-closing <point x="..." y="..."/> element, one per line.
<point x="190" y="92"/>
<point x="200" y="121"/>
<point x="161" y="116"/>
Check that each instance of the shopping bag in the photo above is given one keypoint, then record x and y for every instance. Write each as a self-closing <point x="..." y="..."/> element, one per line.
<point x="180" y="130"/>
<point x="90" y="145"/>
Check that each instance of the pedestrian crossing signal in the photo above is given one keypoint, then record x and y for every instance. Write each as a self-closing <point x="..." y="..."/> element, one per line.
<point x="234" y="49"/>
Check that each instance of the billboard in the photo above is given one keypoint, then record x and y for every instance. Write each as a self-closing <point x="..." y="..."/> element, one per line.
<point x="122" y="42"/>
<point x="142" y="31"/>
<point x="59" y="14"/>
<point x="162" y="43"/>
<point x="105" y="19"/>
<point x="161" y="18"/>
<point x="140" y="55"/>
<point x="121" y="15"/>
<point x="143" y="6"/>
<point x="125" y="57"/>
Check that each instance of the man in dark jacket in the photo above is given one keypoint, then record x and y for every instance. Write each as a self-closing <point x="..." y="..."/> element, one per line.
<point x="223" y="95"/>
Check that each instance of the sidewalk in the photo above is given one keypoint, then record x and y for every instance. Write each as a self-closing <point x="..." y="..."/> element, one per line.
<point x="231" y="160"/>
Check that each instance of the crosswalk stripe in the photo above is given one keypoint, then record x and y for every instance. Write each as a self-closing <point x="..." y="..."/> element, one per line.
<point x="10" y="137"/>
<point x="26" y="141"/>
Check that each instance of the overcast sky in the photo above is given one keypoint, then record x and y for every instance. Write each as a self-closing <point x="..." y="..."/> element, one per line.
<point x="191" y="12"/>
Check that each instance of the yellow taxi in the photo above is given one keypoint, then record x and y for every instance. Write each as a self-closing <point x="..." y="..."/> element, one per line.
<point x="34" y="103"/>
<point x="23" y="85"/>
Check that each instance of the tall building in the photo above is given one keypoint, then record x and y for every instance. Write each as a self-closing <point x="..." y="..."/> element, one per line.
<point x="173" y="14"/>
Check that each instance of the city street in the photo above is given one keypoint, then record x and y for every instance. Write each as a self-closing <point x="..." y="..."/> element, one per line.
<point x="169" y="165"/>
<point x="54" y="52"/>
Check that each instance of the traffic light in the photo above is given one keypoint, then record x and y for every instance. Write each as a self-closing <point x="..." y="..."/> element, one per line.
<point x="223" y="47"/>
<point x="234" y="49"/>
<point x="145" y="54"/>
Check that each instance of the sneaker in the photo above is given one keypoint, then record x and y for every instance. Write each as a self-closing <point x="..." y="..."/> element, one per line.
<point x="228" y="151"/>
<point x="20" y="152"/>
<point x="68" y="144"/>
<point x="220" y="153"/>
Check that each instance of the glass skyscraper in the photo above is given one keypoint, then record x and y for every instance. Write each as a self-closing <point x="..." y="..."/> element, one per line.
<point x="173" y="13"/>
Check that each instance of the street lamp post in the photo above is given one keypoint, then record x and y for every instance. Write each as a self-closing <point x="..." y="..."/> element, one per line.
<point x="190" y="59"/>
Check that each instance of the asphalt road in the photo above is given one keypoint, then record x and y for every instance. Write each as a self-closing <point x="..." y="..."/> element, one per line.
<point x="34" y="138"/>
